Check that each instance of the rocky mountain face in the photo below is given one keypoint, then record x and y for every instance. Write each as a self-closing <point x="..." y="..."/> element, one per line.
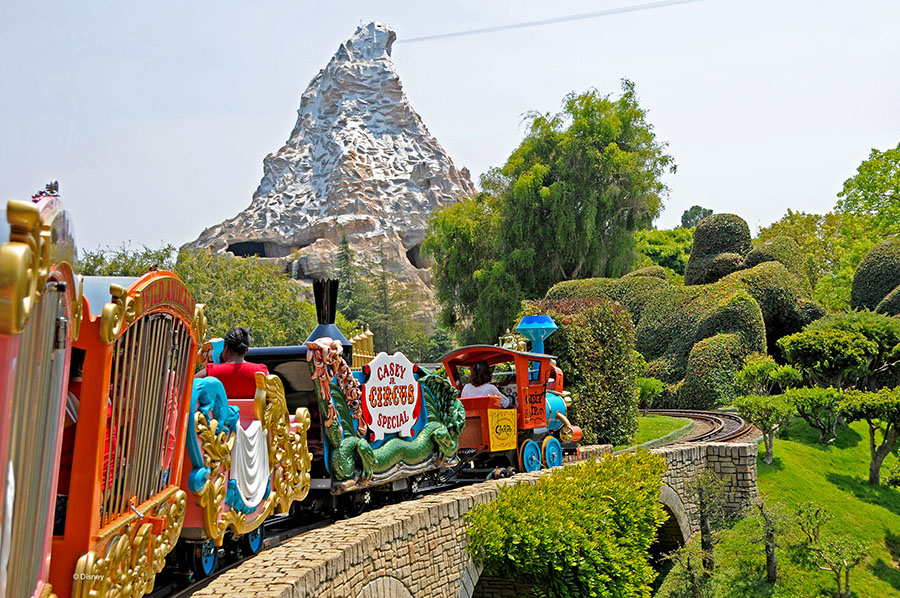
<point x="359" y="161"/>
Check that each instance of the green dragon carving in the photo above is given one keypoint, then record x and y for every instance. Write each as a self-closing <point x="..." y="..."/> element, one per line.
<point x="351" y="453"/>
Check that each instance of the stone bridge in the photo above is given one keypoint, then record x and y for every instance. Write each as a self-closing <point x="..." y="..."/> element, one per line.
<point x="417" y="549"/>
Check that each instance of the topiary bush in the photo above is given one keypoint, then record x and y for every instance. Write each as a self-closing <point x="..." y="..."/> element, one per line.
<point x="720" y="243"/>
<point x="829" y="357"/>
<point x="785" y="250"/>
<point x="757" y="306"/>
<point x="594" y="347"/>
<point x="876" y="277"/>
<point x="583" y="530"/>
<point x="883" y="368"/>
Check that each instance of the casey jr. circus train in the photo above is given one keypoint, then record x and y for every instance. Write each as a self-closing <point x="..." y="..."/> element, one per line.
<point x="116" y="459"/>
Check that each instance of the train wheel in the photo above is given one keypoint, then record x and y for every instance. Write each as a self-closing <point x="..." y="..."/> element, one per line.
<point x="205" y="559"/>
<point x="251" y="542"/>
<point x="530" y="456"/>
<point x="553" y="453"/>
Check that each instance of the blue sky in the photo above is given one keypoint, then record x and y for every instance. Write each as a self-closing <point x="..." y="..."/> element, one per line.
<point x="155" y="117"/>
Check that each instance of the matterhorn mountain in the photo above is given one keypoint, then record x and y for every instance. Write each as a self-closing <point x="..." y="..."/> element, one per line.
<point x="359" y="161"/>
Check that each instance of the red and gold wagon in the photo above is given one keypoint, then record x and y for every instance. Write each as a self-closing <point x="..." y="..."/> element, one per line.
<point x="125" y="509"/>
<point x="40" y="312"/>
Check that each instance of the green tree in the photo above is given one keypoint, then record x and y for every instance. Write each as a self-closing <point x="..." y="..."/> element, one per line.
<point x="766" y="413"/>
<point x="883" y="367"/>
<point x="818" y="406"/>
<point x="760" y="375"/>
<point x="693" y="215"/>
<point x="348" y="296"/>
<point x="881" y="410"/>
<point x="829" y="357"/>
<point x="832" y="246"/>
<point x="563" y="206"/>
<point x="125" y="261"/>
<point x="875" y="190"/>
<point x="389" y="310"/>
<point x="667" y="248"/>
<point x="836" y="555"/>
<point x="708" y="490"/>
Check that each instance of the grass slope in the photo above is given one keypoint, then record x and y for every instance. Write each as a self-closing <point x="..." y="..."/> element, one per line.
<point x="835" y="477"/>
<point x="653" y="427"/>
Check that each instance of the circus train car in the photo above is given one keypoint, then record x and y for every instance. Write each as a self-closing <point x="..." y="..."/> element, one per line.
<point x="532" y="431"/>
<point x="40" y="312"/>
<point x="246" y="458"/>
<point x="120" y="509"/>
<point x="382" y="426"/>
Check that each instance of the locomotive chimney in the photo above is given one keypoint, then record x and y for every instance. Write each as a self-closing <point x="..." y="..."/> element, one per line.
<point x="325" y="291"/>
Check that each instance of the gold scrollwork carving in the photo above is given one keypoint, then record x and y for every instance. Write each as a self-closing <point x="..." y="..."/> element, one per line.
<point x="47" y="591"/>
<point x="78" y="307"/>
<point x="289" y="462"/>
<point x="200" y="321"/>
<point x="117" y="314"/>
<point x="24" y="265"/>
<point x="133" y="558"/>
<point x="288" y="449"/>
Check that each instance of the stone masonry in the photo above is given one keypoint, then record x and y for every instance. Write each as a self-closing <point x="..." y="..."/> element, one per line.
<point x="417" y="549"/>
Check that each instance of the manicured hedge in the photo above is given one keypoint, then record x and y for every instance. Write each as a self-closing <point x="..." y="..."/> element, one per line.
<point x="594" y="347"/>
<point x="720" y="243"/>
<point x="785" y="250"/>
<point x="877" y="275"/>
<point x="754" y="305"/>
<point x="582" y="530"/>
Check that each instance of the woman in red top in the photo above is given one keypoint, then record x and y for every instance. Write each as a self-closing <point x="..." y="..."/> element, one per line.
<point x="235" y="374"/>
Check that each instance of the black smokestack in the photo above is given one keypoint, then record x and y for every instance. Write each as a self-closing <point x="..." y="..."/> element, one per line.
<point x="325" y="292"/>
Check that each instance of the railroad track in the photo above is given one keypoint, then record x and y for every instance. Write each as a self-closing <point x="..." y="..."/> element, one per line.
<point x="714" y="426"/>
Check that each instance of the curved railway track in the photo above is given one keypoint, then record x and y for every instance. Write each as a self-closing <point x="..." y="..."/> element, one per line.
<point x="711" y="426"/>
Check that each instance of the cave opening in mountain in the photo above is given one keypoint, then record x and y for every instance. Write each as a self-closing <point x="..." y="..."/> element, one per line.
<point x="414" y="255"/>
<point x="248" y="249"/>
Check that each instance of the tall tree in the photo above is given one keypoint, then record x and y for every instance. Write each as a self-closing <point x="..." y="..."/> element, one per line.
<point x="875" y="190"/>
<point x="693" y="215"/>
<point x="563" y="206"/>
<point x="833" y="244"/>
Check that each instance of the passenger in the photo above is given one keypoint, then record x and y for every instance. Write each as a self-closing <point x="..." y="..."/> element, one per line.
<point x="235" y="374"/>
<point x="480" y="385"/>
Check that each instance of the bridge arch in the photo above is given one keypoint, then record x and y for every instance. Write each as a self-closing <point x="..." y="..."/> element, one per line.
<point x="677" y="528"/>
<point x="385" y="587"/>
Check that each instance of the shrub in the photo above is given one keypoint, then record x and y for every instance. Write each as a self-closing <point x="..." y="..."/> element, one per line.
<point x="720" y="243"/>
<point x="711" y="368"/>
<point x="670" y="319"/>
<point x="877" y="275"/>
<point x="762" y="376"/>
<point x="594" y="347"/>
<point x="767" y="413"/>
<point x="785" y="250"/>
<point x="884" y="331"/>
<point x="829" y="357"/>
<point x="581" y="530"/>
<point x="818" y="407"/>
<point x="890" y="305"/>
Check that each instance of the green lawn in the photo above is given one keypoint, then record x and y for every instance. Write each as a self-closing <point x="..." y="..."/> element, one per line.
<point x="652" y="427"/>
<point x="835" y="477"/>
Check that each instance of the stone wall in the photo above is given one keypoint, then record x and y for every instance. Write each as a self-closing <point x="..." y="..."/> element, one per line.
<point x="735" y="462"/>
<point x="418" y="548"/>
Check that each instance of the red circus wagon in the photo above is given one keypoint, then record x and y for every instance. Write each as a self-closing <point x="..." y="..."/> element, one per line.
<point x="40" y="312"/>
<point x="125" y="509"/>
